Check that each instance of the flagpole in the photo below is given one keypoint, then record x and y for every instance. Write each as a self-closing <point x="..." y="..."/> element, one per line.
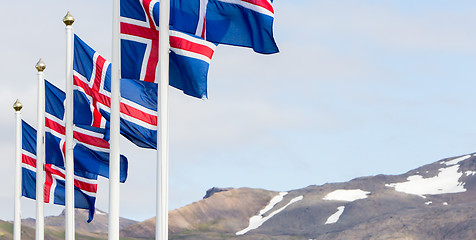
<point x="17" y="192"/>
<point x="68" y="20"/>
<point x="40" y="150"/>
<point x="161" y="221"/>
<point x="114" y="155"/>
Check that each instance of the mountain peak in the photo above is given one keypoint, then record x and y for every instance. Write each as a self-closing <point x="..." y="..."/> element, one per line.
<point x="214" y="190"/>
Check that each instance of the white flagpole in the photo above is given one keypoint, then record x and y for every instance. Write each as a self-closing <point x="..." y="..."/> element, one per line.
<point x="114" y="155"/>
<point x="69" y="113"/>
<point x="18" y="182"/>
<point x="40" y="151"/>
<point x="161" y="221"/>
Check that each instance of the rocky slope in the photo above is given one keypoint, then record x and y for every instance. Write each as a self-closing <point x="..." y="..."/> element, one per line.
<point x="436" y="201"/>
<point x="222" y="212"/>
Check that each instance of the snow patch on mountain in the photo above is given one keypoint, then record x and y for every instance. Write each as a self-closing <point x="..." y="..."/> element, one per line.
<point x="258" y="220"/>
<point x="470" y="173"/>
<point x="456" y="160"/>
<point x="335" y="217"/>
<point x="346" y="195"/>
<point x="447" y="181"/>
<point x="273" y="202"/>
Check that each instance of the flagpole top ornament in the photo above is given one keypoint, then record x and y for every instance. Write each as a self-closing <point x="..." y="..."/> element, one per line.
<point x="17" y="106"/>
<point x="40" y="65"/>
<point x="68" y="19"/>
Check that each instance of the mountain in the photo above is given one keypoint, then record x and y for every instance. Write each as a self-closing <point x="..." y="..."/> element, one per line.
<point x="98" y="225"/>
<point x="435" y="201"/>
<point x="51" y="233"/>
<point x="6" y="231"/>
<point x="221" y="212"/>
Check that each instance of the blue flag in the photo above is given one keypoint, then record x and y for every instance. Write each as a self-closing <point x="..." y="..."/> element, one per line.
<point x="190" y="55"/>
<point x="85" y="184"/>
<point x="247" y="23"/>
<point x="138" y="110"/>
<point x="91" y="149"/>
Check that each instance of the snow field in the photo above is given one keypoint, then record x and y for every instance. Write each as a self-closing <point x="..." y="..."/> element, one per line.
<point x="447" y="181"/>
<point x="346" y="195"/>
<point x="335" y="217"/>
<point x="258" y="220"/>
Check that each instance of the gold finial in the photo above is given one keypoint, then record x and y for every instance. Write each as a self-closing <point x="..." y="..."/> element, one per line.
<point x="40" y="65"/>
<point x="68" y="19"/>
<point x="17" y="106"/>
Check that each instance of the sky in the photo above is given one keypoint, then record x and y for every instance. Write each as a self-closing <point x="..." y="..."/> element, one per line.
<point x="359" y="88"/>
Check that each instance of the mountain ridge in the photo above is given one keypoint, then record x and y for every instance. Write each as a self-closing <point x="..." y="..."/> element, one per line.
<point x="434" y="201"/>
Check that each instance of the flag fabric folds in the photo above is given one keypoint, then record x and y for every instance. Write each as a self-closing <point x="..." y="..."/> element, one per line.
<point x="138" y="109"/>
<point x="85" y="184"/>
<point x="190" y="55"/>
<point x="91" y="148"/>
<point x="246" y="23"/>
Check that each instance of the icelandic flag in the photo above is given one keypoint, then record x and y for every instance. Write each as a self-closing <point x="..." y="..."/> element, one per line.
<point x="91" y="149"/>
<point x="85" y="184"/>
<point x="138" y="110"/>
<point x="190" y="55"/>
<point x="246" y="23"/>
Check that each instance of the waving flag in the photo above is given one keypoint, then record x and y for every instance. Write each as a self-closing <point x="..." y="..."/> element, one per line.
<point x="247" y="23"/>
<point x="85" y="184"/>
<point x="190" y="55"/>
<point x="92" y="79"/>
<point x="91" y="150"/>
